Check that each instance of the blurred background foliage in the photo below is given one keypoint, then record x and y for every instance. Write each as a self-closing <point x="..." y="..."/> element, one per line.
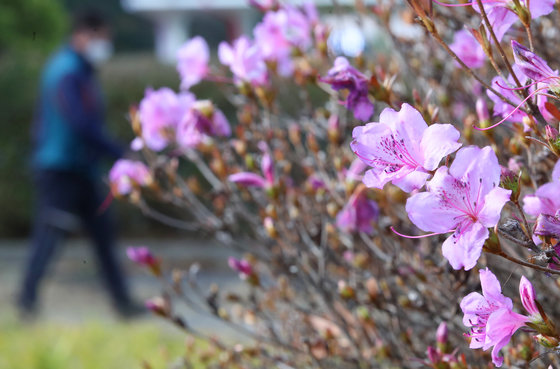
<point x="91" y="345"/>
<point x="29" y="31"/>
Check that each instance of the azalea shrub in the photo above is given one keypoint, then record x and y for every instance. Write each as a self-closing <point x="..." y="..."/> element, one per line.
<point x="398" y="208"/>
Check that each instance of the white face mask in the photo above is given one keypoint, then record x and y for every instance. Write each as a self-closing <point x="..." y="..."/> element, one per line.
<point x="98" y="50"/>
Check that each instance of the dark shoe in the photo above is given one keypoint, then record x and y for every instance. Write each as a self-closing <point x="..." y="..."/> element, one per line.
<point x="27" y="312"/>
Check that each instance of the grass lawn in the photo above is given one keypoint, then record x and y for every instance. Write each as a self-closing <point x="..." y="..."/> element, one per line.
<point x="89" y="345"/>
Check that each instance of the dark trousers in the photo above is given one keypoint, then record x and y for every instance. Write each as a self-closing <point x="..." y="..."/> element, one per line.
<point x="66" y="200"/>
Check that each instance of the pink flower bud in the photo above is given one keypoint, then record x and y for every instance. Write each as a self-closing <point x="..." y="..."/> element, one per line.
<point x="528" y="297"/>
<point x="142" y="256"/>
<point x="267" y="167"/>
<point x="433" y="355"/>
<point x="242" y="266"/>
<point x="441" y="333"/>
<point x="158" y="306"/>
<point x="551" y="133"/>
<point x="482" y="110"/>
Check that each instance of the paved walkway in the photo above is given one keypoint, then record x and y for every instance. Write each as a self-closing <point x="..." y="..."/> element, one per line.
<point x="73" y="291"/>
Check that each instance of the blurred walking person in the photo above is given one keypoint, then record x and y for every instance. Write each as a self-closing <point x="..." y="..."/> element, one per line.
<point x="69" y="140"/>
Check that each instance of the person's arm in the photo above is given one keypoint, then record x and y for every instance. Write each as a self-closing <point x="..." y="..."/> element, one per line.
<point x="85" y="123"/>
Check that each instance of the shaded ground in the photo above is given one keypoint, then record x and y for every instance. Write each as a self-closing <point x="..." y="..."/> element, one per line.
<point x="74" y="293"/>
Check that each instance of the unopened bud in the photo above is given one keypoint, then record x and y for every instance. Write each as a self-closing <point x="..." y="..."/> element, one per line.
<point x="553" y="138"/>
<point x="159" y="306"/>
<point x="372" y="288"/>
<point x="442" y="338"/>
<point x="269" y="227"/>
<point x="204" y="107"/>
<point x="332" y="209"/>
<point x="143" y="256"/>
<point x="510" y="181"/>
<point x="546" y="341"/>
<point x="551" y="133"/>
<point x="294" y="133"/>
<point x="312" y="143"/>
<point x="240" y="147"/>
<point x="333" y="129"/>
<point x="433" y="355"/>
<point x="482" y="110"/>
<point x="363" y="313"/>
<point x="135" y="121"/>
<point x="345" y="291"/>
<point x="442" y="333"/>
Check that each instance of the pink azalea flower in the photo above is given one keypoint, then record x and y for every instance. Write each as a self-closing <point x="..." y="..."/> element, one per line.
<point x="358" y="214"/>
<point x="547" y="225"/>
<point x="468" y="49"/>
<point x="125" y="174"/>
<point x="491" y="316"/>
<point x="203" y="120"/>
<point x="342" y="76"/>
<point x="546" y="199"/>
<point x="192" y="63"/>
<point x="502" y="13"/>
<point x="464" y="199"/>
<point x="160" y="113"/>
<point x="245" y="61"/>
<point x="402" y="149"/>
<point x="533" y="66"/>
<point x="282" y="30"/>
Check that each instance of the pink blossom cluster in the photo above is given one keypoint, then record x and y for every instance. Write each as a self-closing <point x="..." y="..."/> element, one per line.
<point x="502" y="14"/>
<point x="284" y="28"/>
<point x="168" y="118"/>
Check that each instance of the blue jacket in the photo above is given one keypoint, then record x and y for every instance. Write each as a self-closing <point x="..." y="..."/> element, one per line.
<point x="68" y="129"/>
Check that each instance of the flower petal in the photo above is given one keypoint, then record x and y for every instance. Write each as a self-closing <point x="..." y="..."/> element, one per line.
<point x="494" y="201"/>
<point x="472" y="305"/>
<point x="462" y="249"/>
<point x="412" y="181"/>
<point x="247" y="179"/>
<point x="438" y="141"/>
<point x="544" y="201"/>
<point x="425" y="211"/>
<point x="501" y="325"/>
<point x="479" y="169"/>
